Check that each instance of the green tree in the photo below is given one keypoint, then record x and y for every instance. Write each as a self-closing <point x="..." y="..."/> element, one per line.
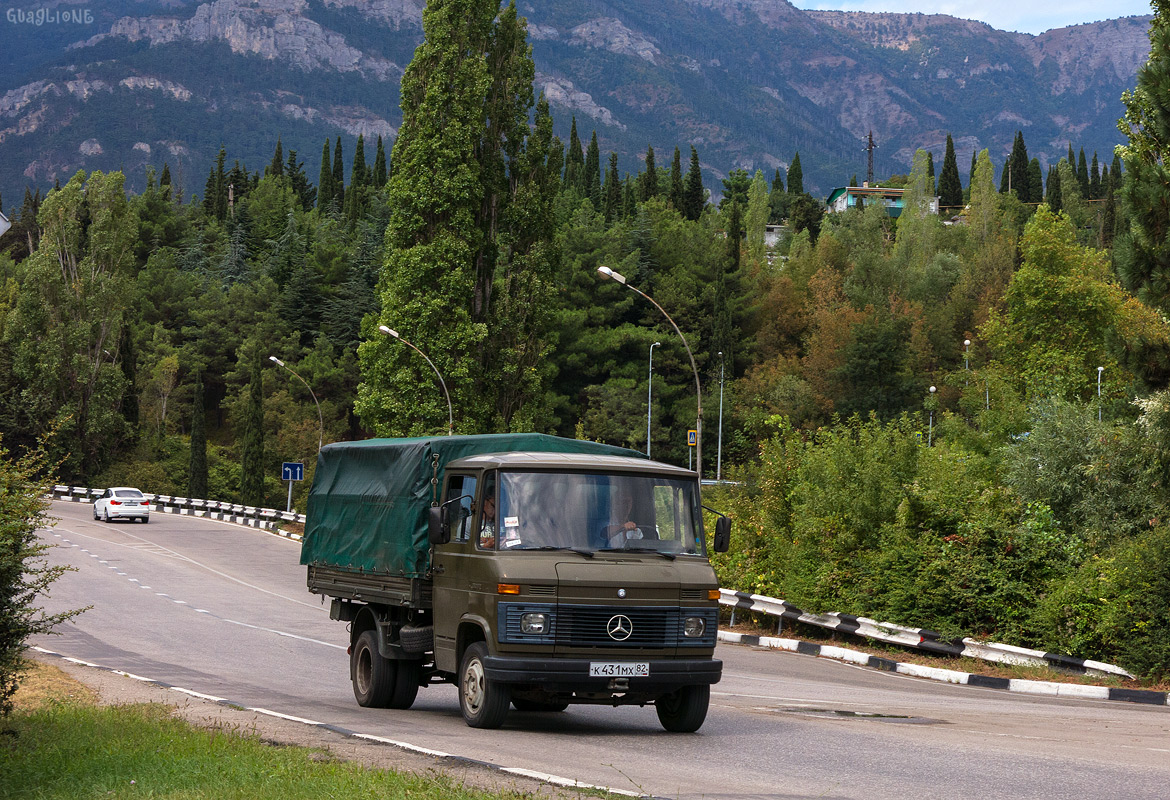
<point x="1015" y="171"/>
<point x="1035" y="182"/>
<point x="461" y="256"/>
<point x="694" y="195"/>
<point x="25" y="571"/>
<point x="757" y="219"/>
<point x="806" y="214"/>
<point x="1094" y="179"/>
<point x="1055" y="193"/>
<point x="1083" y="175"/>
<point x="575" y="161"/>
<point x="277" y="165"/>
<point x="950" y="189"/>
<point x="676" y="181"/>
<point x="649" y="185"/>
<point x="795" y="176"/>
<point x="379" y="176"/>
<point x="252" y="441"/>
<point x="1142" y="254"/>
<point x="197" y="466"/>
<point x="337" y="184"/>
<point x="984" y="217"/>
<point x="325" y="181"/>
<point x="735" y="188"/>
<point x="613" y="190"/>
<point x="777" y="200"/>
<point x="593" y="172"/>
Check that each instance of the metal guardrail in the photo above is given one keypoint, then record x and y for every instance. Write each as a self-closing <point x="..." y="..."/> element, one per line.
<point x="918" y="638"/>
<point x="256" y="517"/>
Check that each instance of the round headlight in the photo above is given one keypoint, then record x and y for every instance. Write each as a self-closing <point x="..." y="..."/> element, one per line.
<point x="694" y="627"/>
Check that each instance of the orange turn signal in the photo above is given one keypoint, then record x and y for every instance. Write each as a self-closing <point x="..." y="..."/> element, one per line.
<point x="712" y="594"/>
<point x="507" y="588"/>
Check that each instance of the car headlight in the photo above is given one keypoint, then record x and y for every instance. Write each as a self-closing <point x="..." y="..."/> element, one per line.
<point x="534" y="622"/>
<point x="694" y="627"/>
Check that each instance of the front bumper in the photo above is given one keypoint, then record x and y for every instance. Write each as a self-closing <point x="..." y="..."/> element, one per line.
<point x="562" y="675"/>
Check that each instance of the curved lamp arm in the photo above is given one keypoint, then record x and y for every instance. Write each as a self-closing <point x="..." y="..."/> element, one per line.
<point x="450" y="415"/>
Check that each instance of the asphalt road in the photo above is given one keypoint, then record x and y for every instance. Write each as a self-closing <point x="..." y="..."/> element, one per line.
<point x="223" y="610"/>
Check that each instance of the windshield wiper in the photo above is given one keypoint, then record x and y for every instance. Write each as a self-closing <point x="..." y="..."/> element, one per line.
<point x="667" y="556"/>
<point x="579" y="550"/>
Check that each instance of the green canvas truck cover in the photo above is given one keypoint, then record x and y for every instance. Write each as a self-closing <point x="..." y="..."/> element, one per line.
<point x="368" y="503"/>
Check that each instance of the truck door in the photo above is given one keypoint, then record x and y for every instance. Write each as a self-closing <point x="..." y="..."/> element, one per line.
<point x="450" y="565"/>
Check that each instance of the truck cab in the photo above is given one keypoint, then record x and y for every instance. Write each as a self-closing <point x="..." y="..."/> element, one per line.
<point x="582" y="578"/>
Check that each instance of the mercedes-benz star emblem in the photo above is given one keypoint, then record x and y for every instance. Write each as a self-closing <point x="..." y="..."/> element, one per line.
<point x="619" y="627"/>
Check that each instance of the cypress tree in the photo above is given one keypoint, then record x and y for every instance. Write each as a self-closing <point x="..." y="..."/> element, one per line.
<point x="930" y="168"/>
<point x="1109" y="215"/>
<point x="277" y="165"/>
<point x="164" y="179"/>
<point x="1035" y="182"/>
<point x="950" y="189"/>
<point x="325" y="181"/>
<point x="971" y="174"/>
<point x="676" y="181"/>
<point x="1072" y="157"/>
<point x="379" y="177"/>
<point x="358" y="175"/>
<point x="1053" y="196"/>
<point x="299" y="181"/>
<point x="1083" y="174"/>
<point x="852" y="178"/>
<point x="209" y="194"/>
<point x="593" y="173"/>
<point x="575" y="161"/>
<point x="795" y="176"/>
<point x="613" y="190"/>
<point x="197" y="467"/>
<point x="778" y="199"/>
<point x="338" y="187"/>
<point x="629" y="199"/>
<point x="1095" y="179"/>
<point x="693" y="195"/>
<point x="1015" y="173"/>
<point x="650" y="176"/>
<point x="252" y="442"/>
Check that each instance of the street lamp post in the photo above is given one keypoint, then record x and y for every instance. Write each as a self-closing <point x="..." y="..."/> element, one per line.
<point x="649" y="395"/>
<point x="930" y="433"/>
<point x="966" y="354"/>
<point x="320" y="419"/>
<point x="719" y="448"/>
<point x="450" y="415"/>
<point x="1099" y="371"/>
<point x="606" y="272"/>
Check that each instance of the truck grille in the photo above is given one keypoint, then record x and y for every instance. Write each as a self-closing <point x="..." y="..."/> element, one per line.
<point x="588" y="626"/>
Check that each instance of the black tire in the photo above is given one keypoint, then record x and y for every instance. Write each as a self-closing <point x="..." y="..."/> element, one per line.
<point x="406" y="683"/>
<point x="684" y="711"/>
<point x="484" y="703"/>
<point x="107" y="517"/>
<point x="417" y="639"/>
<point x="372" y="675"/>
<point x="535" y="705"/>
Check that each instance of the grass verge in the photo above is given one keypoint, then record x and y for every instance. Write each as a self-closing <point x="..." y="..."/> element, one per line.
<point x="59" y="744"/>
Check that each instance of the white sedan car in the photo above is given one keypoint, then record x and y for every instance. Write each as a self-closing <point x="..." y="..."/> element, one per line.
<point x="122" y="502"/>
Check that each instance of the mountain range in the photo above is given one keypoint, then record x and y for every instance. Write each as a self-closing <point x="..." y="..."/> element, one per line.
<point x="125" y="84"/>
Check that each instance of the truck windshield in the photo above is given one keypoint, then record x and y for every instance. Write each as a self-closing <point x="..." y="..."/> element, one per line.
<point x="577" y="510"/>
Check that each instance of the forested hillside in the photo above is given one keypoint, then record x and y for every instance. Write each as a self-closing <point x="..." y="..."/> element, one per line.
<point x="956" y="422"/>
<point x="137" y="84"/>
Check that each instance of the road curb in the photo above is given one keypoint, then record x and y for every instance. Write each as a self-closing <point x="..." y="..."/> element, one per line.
<point x="1049" y="688"/>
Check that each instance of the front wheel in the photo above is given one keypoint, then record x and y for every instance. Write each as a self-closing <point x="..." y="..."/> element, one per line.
<point x="683" y="711"/>
<point x="373" y="676"/>
<point x="484" y="702"/>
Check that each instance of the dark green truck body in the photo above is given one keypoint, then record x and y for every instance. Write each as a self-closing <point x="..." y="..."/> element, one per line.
<point x="537" y="613"/>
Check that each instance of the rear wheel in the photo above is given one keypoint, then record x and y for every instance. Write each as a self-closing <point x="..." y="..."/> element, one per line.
<point x="484" y="703"/>
<point x="683" y="711"/>
<point x="373" y="676"/>
<point x="107" y="516"/>
<point x="406" y="683"/>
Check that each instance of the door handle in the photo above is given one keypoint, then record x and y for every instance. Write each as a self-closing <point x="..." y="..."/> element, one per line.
<point x="438" y="569"/>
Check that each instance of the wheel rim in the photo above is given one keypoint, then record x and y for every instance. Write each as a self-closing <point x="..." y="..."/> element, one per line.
<point x="363" y="671"/>
<point x="473" y="691"/>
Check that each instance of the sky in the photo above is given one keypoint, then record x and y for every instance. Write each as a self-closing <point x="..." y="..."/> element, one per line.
<point x="1006" y="15"/>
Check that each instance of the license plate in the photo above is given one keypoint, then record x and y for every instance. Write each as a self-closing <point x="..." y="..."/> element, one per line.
<point x="619" y="669"/>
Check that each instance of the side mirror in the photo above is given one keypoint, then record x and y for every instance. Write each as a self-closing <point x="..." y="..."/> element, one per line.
<point x="722" y="535"/>
<point x="438" y="525"/>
